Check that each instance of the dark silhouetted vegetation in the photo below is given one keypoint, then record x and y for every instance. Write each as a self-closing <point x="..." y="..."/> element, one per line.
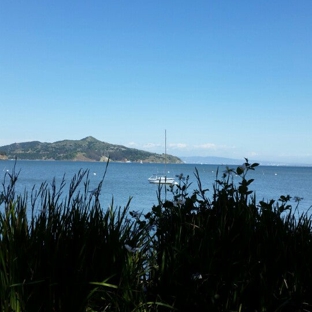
<point x="218" y="250"/>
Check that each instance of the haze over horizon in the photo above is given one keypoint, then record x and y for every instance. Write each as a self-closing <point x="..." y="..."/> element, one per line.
<point x="226" y="79"/>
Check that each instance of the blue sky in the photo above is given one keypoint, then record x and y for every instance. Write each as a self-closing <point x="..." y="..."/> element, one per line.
<point x="225" y="78"/>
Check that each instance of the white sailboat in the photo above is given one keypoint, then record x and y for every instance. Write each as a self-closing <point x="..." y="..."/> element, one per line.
<point x="162" y="179"/>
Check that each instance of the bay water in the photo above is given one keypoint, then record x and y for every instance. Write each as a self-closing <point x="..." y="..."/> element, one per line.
<point x="125" y="180"/>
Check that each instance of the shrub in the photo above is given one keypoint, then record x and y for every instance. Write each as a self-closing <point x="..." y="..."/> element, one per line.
<point x="229" y="253"/>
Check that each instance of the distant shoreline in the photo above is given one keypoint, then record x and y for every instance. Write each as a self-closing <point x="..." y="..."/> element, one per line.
<point x="265" y="164"/>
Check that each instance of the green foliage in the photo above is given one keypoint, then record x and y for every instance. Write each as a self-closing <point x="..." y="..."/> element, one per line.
<point x="198" y="251"/>
<point x="64" y="257"/>
<point x="228" y="253"/>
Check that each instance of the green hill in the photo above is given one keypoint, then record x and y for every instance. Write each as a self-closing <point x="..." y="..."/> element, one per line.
<point x="87" y="149"/>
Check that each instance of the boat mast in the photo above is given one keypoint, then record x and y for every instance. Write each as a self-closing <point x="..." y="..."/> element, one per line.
<point x="165" y="152"/>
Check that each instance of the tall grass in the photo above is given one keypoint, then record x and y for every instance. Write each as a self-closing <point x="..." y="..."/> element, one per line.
<point x="218" y="250"/>
<point x="69" y="256"/>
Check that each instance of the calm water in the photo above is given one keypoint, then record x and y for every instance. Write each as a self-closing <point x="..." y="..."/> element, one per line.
<point x="124" y="180"/>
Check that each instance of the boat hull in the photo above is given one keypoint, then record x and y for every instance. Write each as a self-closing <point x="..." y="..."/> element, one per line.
<point x="160" y="180"/>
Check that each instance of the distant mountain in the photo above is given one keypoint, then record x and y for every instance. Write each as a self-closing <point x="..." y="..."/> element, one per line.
<point x="212" y="160"/>
<point x="87" y="149"/>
